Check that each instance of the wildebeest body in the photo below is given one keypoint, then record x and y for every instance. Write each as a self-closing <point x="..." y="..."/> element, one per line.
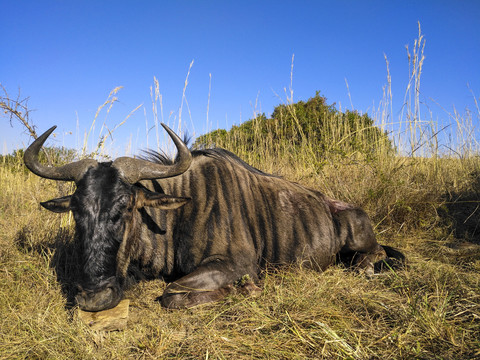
<point x="239" y="216"/>
<point x="203" y="225"/>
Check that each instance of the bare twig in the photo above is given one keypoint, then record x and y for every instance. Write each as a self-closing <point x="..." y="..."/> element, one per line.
<point x="17" y="109"/>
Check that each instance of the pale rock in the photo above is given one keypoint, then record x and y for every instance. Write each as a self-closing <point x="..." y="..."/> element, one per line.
<point x="106" y="320"/>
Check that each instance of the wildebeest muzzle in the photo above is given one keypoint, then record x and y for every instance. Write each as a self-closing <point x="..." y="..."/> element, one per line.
<point x="104" y="296"/>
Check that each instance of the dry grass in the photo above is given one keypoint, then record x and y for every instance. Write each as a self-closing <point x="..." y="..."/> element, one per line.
<point x="429" y="310"/>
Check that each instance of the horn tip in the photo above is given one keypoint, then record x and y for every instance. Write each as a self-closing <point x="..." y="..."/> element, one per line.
<point x="49" y="131"/>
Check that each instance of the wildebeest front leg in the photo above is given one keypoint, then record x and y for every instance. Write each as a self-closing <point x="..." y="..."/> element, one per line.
<point x="208" y="283"/>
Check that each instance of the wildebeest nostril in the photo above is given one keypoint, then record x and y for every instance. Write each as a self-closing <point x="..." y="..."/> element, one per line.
<point x="80" y="300"/>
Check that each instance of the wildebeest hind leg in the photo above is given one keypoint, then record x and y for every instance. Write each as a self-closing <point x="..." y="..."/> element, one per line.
<point x="360" y="241"/>
<point x="208" y="283"/>
<point x="365" y="261"/>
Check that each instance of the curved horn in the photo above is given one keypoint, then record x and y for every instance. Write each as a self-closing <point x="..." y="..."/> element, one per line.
<point x="135" y="170"/>
<point x="70" y="172"/>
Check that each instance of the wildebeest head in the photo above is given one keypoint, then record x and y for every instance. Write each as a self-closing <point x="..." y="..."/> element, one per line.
<point x="104" y="206"/>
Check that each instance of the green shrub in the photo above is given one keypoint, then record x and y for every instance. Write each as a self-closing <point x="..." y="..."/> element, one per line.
<point x="313" y="125"/>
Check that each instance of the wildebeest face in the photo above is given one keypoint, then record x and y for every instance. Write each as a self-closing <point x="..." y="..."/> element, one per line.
<point x="105" y="209"/>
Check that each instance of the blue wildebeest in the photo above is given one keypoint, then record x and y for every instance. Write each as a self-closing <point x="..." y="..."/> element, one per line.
<point x="202" y="221"/>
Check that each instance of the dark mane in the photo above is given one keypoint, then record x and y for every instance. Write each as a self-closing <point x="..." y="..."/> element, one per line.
<point x="217" y="153"/>
<point x="223" y="154"/>
<point x="158" y="157"/>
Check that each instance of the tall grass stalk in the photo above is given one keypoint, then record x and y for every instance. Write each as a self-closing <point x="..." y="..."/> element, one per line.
<point x="184" y="100"/>
<point x="156" y="97"/>
<point x="98" y="150"/>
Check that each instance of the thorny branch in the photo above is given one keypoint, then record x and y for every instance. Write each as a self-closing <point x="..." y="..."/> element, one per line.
<point x="17" y="109"/>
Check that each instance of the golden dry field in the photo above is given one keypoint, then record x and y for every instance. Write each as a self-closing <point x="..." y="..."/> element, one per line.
<point x="431" y="310"/>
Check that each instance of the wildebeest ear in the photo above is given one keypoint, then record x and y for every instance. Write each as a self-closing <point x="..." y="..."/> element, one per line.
<point x="59" y="205"/>
<point x="161" y="201"/>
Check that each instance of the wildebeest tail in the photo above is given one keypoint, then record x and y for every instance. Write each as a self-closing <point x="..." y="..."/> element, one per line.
<point x="395" y="260"/>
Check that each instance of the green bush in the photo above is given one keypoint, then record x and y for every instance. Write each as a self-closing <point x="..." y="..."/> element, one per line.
<point x="313" y="124"/>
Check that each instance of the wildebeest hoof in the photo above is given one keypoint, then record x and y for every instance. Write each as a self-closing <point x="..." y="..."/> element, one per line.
<point x="369" y="272"/>
<point x="250" y="289"/>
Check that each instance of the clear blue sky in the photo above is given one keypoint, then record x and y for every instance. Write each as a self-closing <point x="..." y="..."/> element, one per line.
<point x="67" y="56"/>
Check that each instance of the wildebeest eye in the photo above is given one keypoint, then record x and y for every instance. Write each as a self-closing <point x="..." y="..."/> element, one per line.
<point x="116" y="217"/>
